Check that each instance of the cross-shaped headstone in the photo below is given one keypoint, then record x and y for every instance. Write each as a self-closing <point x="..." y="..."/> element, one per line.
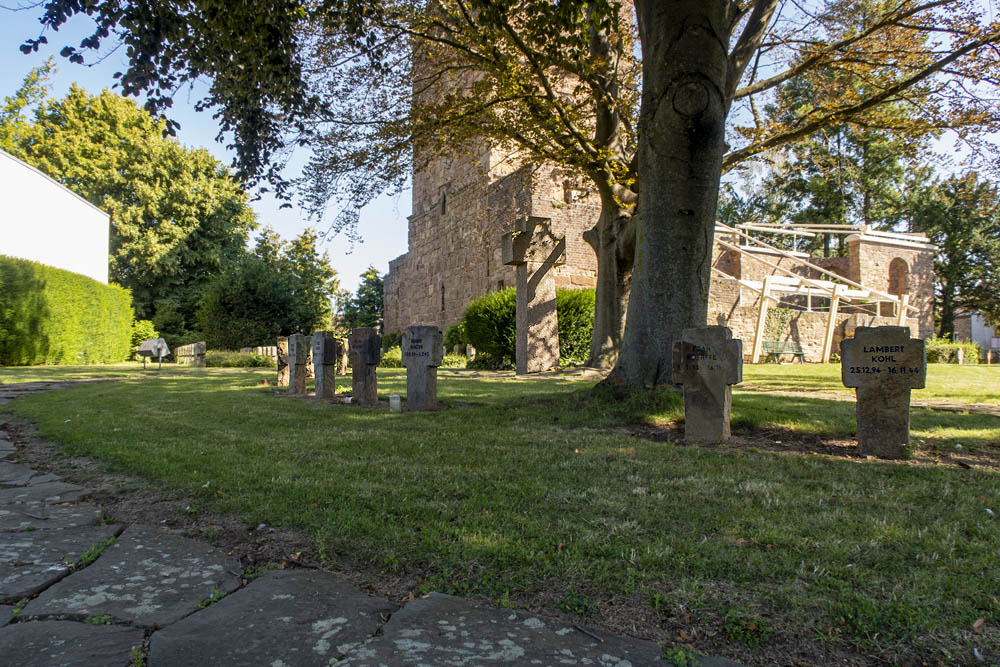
<point x="282" y="361"/>
<point x="534" y="249"/>
<point x="325" y="354"/>
<point x="298" y="356"/>
<point x="883" y="364"/>
<point x="423" y="350"/>
<point x="706" y="362"/>
<point x="365" y="353"/>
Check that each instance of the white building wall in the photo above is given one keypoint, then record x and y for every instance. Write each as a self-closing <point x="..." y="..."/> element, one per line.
<point x="985" y="336"/>
<point x="42" y="221"/>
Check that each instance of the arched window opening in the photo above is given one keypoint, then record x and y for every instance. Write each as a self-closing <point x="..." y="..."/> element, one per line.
<point x="899" y="284"/>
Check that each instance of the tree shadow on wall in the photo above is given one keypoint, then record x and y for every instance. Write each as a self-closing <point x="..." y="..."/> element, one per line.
<point x="23" y="311"/>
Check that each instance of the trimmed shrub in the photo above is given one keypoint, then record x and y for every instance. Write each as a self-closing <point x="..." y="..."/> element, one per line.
<point x="576" y="324"/>
<point x="453" y="361"/>
<point x="231" y="359"/>
<point x="393" y="358"/>
<point x="455" y="335"/>
<point x="52" y="316"/>
<point x="944" y="351"/>
<point x="491" y="323"/>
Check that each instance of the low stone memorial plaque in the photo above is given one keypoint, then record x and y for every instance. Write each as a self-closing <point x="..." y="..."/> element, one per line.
<point x="423" y="350"/>
<point x="365" y="353"/>
<point x="298" y="357"/>
<point x="282" y="349"/>
<point x="706" y="362"/>
<point x="153" y="348"/>
<point x="883" y="364"/>
<point x="324" y="356"/>
<point x="192" y="354"/>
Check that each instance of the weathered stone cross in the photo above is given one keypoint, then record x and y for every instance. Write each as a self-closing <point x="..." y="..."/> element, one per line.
<point x="298" y="356"/>
<point x="423" y="350"/>
<point x="366" y="353"/>
<point x="883" y="364"/>
<point x="706" y="362"/>
<point x="535" y="250"/>
<point x="325" y="354"/>
<point x="282" y="361"/>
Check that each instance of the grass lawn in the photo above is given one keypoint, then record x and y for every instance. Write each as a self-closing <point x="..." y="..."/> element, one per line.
<point x="542" y="493"/>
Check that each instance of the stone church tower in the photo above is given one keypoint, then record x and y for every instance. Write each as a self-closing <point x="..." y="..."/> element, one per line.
<point x="462" y="205"/>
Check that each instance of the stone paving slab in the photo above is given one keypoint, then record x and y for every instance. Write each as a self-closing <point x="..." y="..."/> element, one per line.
<point x="7" y="449"/>
<point x="446" y="630"/>
<point x="31" y="561"/>
<point x="48" y="493"/>
<point x="16" y="474"/>
<point x="67" y="644"/>
<point x="147" y="577"/>
<point x="6" y="614"/>
<point x="287" y="617"/>
<point x="47" y="517"/>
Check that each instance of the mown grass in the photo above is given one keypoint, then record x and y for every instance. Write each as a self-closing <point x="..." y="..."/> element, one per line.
<point x="533" y="487"/>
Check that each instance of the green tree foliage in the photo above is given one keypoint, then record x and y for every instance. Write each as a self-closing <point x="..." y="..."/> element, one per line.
<point x="143" y="330"/>
<point x="15" y="124"/>
<point x="961" y="215"/>
<point x="177" y="217"/>
<point x="365" y="308"/>
<point x="52" y="316"/>
<point x="281" y="289"/>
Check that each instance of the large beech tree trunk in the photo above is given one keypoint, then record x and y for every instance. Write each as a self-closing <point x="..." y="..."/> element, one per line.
<point x="681" y="145"/>
<point x="613" y="241"/>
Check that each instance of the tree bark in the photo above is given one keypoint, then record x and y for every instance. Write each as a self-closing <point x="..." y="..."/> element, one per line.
<point x="681" y="146"/>
<point x="613" y="241"/>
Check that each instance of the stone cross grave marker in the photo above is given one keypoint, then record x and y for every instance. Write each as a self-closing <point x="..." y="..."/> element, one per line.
<point x="883" y="364"/>
<point x="282" y="348"/>
<point x="298" y="357"/>
<point x="325" y="354"/>
<point x="365" y="353"/>
<point x="706" y="362"/>
<point x="423" y="350"/>
<point x="535" y="250"/>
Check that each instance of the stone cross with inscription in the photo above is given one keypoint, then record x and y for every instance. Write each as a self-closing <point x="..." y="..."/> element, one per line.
<point x="366" y="353"/>
<point x="883" y="364"/>
<point x="535" y="250"/>
<point x="298" y="357"/>
<point x="282" y="348"/>
<point x="706" y="362"/>
<point x="423" y="350"/>
<point x="325" y="354"/>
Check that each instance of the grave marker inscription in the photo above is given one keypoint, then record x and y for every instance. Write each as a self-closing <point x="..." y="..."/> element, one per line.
<point x="883" y="364"/>
<point x="365" y="353"/>
<point x="423" y="350"/>
<point x="706" y="363"/>
<point x="298" y="356"/>
<point x="325" y="356"/>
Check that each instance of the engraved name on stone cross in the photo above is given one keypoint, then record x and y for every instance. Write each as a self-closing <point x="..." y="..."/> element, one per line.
<point x="535" y="250"/>
<point x="298" y="356"/>
<point x="282" y="361"/>
<point x="423" y="349"/>
<point x="706" y="362"/>
<point x="324" y="354"/>
<point x="883" y="364"/>
<point x="365" y="353"/>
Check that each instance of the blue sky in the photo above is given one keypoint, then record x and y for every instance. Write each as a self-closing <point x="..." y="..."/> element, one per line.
<point x="383" y="223"/>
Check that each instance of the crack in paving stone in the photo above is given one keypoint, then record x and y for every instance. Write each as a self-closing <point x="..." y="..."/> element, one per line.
<point x="148" y="577"/>
<point x="31" y="561"/>
<point x="68" y="644"/>
<point x="17" y="518"/>
<point x="48" y="493"/>
<point x="296" y="617"/>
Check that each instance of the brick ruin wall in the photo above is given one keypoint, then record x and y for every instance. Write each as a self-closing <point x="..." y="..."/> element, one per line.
<point x="461" y="208"/>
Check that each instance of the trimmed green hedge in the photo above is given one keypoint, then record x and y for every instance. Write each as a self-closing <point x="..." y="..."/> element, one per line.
<point x="491" y="322"/>
<point x="234" y="359"/>
<point x="51" y="316"/>
<point x="945" y="351"/>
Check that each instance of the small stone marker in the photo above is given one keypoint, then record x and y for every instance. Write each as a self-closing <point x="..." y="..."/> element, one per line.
<point x="324" y="356"/>
<point x="153" y="347"/>
<point x="343" y="360"/>
<point x="298" y="357"/>
<point x="366" y="353"/>
<point x="192" y="354"/>
<point x="706" y="362"/>
<point x="282" y="349"/>
<point x="883" y="364"/>
<point x="535" y="250"/>
<point x="423" y="350"/>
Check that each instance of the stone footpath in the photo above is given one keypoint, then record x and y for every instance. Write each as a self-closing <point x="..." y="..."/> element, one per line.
<point x="77" y="590"/>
